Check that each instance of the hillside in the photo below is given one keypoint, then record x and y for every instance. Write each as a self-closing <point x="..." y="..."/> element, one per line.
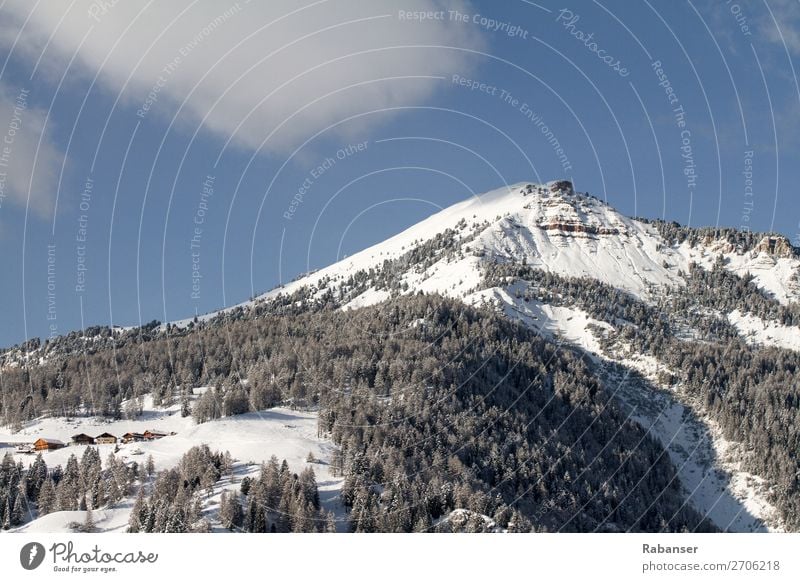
<point x="660" y="355"/>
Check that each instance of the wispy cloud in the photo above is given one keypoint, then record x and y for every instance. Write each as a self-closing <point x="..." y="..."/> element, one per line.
<point x="29" y="161"/>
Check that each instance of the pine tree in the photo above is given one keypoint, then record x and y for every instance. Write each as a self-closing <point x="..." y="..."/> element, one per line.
<point x="7" y="514"/>
<point x="237" y="512"/>
<point x="161" y="514"/>
<point x="88" y="522"/>
<point x="225" y="511"/>
<point x="255" y="521"/>
<point x="227" y="463"/>
<point x="151" y="466"/>
<point x="121" y="478"/>
<point x="209" y="478"/>
<point x="245" y="486"/>
<point x="135" y="521"/>
<point x="17" y="512"/>
<point x="230" y="511"/>
<point x="175" y="522"/>
<point x="301" y="520"/>
<point x="308" y="487"/>
<point x="113" y="492"/>
<point x="47" y="497"/>
<point x="186" y="405"/>
<point x="36" y="477"/>
<point x="68" y="490"/>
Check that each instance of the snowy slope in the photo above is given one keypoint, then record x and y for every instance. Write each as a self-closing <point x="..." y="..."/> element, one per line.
<point x="777" y="275"/>
<point x="250" y="438"/>
<point x="547" y="226"/>
<point x="708" y="465"/>
<point x="564" y="324"/>
<point x="758" y="332"/>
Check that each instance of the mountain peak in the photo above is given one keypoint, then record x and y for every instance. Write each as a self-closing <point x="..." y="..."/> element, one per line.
<point x="563" y="187"/>
<point x="546" y="226"/>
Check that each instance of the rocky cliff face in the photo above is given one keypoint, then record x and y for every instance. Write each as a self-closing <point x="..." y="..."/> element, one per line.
<point x="776" y="246"/>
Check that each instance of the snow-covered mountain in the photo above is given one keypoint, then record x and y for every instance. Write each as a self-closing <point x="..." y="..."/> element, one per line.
<point x="639" y="301"/>
<point x="553" y="228"/>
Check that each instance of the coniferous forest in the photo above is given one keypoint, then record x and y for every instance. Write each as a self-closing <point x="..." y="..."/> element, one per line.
<point x="434" y="406"/>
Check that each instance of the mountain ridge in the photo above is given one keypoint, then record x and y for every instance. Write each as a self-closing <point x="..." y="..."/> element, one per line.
<point x="499" y="226"/>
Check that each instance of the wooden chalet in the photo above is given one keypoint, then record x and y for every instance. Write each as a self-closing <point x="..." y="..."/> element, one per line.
<point x="152" y="435"/>
<point x="48" y="445"/>
<point x="106" y="439"/>
<point x="133" y="437"/>
<point x="82" y="439"/>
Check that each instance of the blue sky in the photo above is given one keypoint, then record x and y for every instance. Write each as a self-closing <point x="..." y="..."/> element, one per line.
<point x="169" y="160"/>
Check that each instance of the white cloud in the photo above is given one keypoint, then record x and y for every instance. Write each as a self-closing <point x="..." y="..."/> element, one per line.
<point x="784" y="29"/>
<point x="228" y="57"/>
<point x="22" y="145"/>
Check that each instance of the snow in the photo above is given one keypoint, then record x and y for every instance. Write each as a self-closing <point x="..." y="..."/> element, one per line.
<point x="562" y="232"/>
<point x="758" y="332"/>
<point x="569" y="324"/>
<point x="774" y="275"/>
<point x="369" y="297"/>
<point x="107" y="520"/>
<point x="708" y="465"/>
<point x="694" y="449"/>
<point x="251" y="439"/>
<point x="458" y="519"/>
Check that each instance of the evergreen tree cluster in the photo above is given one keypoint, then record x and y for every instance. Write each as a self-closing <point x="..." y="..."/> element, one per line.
<point x="436" y="407"/>
<point x="509" y="427"/>
<point x="17" y="486"/>
<point x="174" y="502"/>
<point x="80" y="485"/>
<point x="278" y="501"/>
